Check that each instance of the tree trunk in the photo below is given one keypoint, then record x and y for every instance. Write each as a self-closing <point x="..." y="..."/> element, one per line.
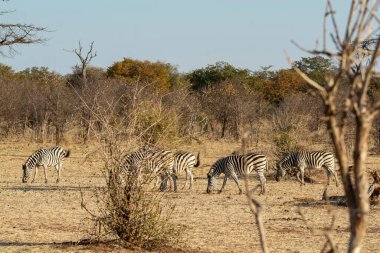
<point x="359" y="211"/>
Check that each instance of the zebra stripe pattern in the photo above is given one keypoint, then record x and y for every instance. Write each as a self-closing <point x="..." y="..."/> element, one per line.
<point x="303" y="159"/>
<point x="132" y="161"/>
<point x="233" y="166"/>
<point x="185" y="161"/>
<point x="44" y="157"/>
<point x="161" y="163"/>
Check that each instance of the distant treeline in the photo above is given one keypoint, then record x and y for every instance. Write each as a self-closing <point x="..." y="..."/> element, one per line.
<point x="153" y="102"/>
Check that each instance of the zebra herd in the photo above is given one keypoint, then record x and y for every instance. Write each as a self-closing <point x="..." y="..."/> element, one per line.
<point x="166" y="165"/>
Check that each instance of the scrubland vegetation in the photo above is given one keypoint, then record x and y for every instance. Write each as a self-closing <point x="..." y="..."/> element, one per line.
<point x="102" y="114"/>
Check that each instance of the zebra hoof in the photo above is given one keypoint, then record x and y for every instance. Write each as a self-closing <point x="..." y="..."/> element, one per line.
<point x="220" y="191"/>
<point x="57" y="181"/>
<point x="240" y="192"/>
<point x="46" y="181"/>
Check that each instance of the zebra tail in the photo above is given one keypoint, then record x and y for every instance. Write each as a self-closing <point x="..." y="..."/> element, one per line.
<point x="198" y="161"/>
<point x="67" y="153"/>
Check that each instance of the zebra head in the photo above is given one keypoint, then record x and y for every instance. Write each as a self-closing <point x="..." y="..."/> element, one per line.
<point x="27" y="172"/>
<point x="210" y="180"/>
<point x="280" y="172"/>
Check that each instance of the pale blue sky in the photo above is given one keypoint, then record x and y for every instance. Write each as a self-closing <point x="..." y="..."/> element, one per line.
<point x="189" y="34"/>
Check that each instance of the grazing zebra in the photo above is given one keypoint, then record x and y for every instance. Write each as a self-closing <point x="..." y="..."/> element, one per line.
<point x="234" y="166"/>
<point x="161" y="163"/>
<point x="44" y="157"/>
<point x="185" y="161"/>
<point x="133" y="162"/>
<point x="303" y="159"/>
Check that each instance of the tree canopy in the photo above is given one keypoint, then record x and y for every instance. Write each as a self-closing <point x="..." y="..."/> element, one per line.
<point x="156" y="73"/>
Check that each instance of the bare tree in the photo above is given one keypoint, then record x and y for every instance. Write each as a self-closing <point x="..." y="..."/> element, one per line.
<point x="356" y="73"/>
<point x="85" y="91"/>
<point x="85" y="59"/>
<point x="12" y="34"/>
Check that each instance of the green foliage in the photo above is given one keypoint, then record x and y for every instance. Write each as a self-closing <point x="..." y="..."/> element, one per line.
<point x="41" y="75"/>
<point x="215" y="74"/>
<point x="6" y="72"/>
<point x="161" y="75"/>
<point x="316" y="67"/>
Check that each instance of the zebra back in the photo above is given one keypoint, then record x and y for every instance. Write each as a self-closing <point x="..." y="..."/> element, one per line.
<point x="133" y="160"/>
<point x="46" y="156"/>
<point x="184" y="160"/>
<point x="313" y="159"/>
<point x="159" y="162"/>
<point x="238" y="163"/>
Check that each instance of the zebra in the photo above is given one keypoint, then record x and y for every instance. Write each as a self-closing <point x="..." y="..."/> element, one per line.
<point x="132" y="162"/>
<point x="44" y="157"/>
<point x="185" y="161"/>
<point x="303" y="159"/>
<point x="161" y="163"/>
<point x="233" y="166"/>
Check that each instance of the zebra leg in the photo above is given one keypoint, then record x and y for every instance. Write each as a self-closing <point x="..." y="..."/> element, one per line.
<point x="262" y="183"/>
<point x="164" y="182"/>
<point x="35" y="173"/>
<point x="302" y="170"/>
<point x="224" y="183"/>
<point x="298" y="177"/>
<point x="46" y="171"/>
<point x="58" y="167"/>
<point x="302" y="173"/>
<point x="157" y="180"/>
<point x="328" y="176"/>
<point x="332" y="171"/>
<point x="174" y="177"/>
<point x="187" y="176"/>
<point x="235" y="178"/>
<point x="191" y="179"/>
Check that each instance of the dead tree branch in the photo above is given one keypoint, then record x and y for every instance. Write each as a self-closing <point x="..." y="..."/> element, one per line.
<point x="254" y="205"/>
<point x="12" y="34"/>
<point x="356" y="71"/>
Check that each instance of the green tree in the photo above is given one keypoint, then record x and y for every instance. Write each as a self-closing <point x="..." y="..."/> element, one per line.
<point x="216" y="74"/>
<point x="316" y="67"/>
<point x="6" y="71"/>
<point x="42" y="75"/>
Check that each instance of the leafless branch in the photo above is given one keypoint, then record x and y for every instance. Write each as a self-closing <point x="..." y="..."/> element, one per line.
<point x="254" y="205"/>
<point x="352" y="51"/>
<point x="12" y="34"/>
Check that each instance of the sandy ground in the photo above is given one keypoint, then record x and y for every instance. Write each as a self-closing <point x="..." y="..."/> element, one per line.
<point x="48" y="217"/>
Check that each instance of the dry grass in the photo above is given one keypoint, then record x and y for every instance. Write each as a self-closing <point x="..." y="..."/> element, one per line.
<point x="48" y="218"/>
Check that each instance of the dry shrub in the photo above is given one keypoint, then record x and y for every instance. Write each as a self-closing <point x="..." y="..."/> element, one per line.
<point x="155" y="123"/>
<point x="132" y="213"/>
<point x="294" y="127"/>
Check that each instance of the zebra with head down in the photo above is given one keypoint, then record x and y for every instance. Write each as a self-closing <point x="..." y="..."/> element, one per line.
<point x="234" y="166"/>
<point x="304" y="159"/>
<point x="44" y="157"/>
